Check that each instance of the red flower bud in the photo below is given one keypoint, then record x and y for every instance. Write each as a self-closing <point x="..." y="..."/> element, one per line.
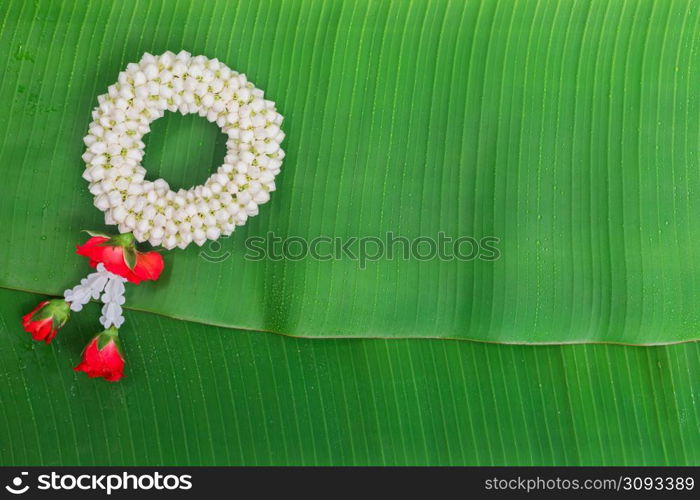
<point x="102" y="357"/>
<point x="119" y="256"/>
<point x="44" y="321"/>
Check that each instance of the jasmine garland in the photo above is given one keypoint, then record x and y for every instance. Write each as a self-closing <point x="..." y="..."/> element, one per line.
<point x="151" y="210"/>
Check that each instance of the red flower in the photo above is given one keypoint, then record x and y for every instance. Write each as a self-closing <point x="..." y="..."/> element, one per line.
<point x="46" y="318"/>
<point x="102" y="357"/>
<point x="119" y="256"/>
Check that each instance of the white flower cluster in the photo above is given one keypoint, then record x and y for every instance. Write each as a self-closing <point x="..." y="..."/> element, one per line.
<point x="90" y="288"/>
<point x="103" y="285"/>
<point x="113" y="298"/>
<point x="151" y="210"/>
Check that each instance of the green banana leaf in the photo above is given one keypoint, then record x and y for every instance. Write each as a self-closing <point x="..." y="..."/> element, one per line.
<point x="567" y="130"/>
<point x="197" y="394"/>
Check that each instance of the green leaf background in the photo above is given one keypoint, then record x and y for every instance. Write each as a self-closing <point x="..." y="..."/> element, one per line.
<point x="196" y="394"/>
<point x="569" y="130"/>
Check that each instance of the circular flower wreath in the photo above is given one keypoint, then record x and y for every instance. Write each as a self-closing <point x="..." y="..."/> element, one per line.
<point x="149" y="210"/>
